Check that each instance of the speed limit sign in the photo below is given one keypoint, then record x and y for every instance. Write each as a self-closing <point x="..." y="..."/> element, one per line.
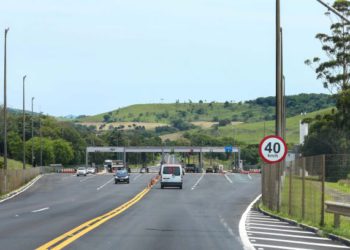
<point x="273" y="149"/>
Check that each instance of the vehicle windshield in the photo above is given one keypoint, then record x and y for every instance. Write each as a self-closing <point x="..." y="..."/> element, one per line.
<point x="123" y="171"/>
<point x="171" y="170"/>
<point x="81" y="168"/>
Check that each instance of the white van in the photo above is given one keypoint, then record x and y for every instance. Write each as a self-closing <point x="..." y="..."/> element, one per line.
<point x="171" y="175"/>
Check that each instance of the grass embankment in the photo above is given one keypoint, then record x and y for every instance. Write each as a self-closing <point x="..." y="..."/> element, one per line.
<point x="312" y="207"/>
<point x="13" y="164"/>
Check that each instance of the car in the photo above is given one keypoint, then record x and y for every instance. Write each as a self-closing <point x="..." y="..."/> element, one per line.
<point x="209" y="170"/>
<point x="121" y="175"/>
<point x="191" y="168"/>
<point x="81" y="171"/>
<point x="91" y="170"/>
<point x="171" y="176"/>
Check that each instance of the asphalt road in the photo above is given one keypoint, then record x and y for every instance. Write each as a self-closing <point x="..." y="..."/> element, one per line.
<point x="203" y="215"/>
<point x="59" y="202"/>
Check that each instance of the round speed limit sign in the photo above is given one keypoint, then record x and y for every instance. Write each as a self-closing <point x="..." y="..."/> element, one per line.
<point x="273" y="149"/>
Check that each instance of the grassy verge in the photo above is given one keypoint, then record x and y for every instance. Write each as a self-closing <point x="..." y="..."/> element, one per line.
<point x="341" y="187"/>
<point x="312" y="207"/>
<point x="12" y="164"/>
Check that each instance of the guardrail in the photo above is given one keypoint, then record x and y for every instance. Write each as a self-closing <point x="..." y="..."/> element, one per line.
<point x="338" y="209"/>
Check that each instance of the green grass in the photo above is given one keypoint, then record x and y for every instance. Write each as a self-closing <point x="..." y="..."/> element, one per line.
<point x="13" y="164"/>
<point x="341" y="187"/>
<point x="312" y="207"/>
<point x="252" y="133"/>
<point x="251" y="111"/>
<point x="164" y="112"/>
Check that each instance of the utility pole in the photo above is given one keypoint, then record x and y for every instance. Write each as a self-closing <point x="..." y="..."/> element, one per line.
<point x="278" y="129"/>
<point x="279" y="100"/>
<point x="41" y="143"/>
<point x="32" y="132"/>
<point x="5" y="100"/>
<point x="24" y="124"/>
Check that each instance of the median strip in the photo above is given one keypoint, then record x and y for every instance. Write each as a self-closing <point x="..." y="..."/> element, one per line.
<point x="77" y="232"/>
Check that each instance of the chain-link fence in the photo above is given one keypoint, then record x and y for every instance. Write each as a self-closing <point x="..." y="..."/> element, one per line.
<point x="302" y="188"/>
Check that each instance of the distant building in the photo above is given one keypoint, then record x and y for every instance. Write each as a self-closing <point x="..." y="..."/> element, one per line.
<point x="304" y="131"/>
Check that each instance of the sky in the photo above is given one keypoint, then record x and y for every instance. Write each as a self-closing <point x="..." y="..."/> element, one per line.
<point x="93" y="56"/>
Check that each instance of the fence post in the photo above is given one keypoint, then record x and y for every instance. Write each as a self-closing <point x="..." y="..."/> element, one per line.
<point x="303" y="188"/>
<point x="323" y="179"/>
<point x="291" y="165"/>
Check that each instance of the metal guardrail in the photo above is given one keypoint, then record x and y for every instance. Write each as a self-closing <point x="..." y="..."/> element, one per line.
<point x="338" y="209"/>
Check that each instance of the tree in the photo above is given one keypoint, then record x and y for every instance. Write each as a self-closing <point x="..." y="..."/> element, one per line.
<point x="63" y="151"/>
<point x="334" y="71"/>
<point x="15" y="146"/>
<point x="47" y="150"/>
<point x="106" y="118"/>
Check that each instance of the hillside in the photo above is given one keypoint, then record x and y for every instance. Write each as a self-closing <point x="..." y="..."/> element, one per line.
<point x="256" y="110"/>
<point x="252" y="133"/>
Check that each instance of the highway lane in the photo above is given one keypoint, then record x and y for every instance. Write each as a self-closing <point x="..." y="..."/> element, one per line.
<point x="57" y="203"/>
<point x="204" y="215"/>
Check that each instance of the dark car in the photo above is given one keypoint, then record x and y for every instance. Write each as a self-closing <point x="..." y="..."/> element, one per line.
<point x="121" y="175"/>
<point x="191" y="168"/>
<point x="209" y="170"/>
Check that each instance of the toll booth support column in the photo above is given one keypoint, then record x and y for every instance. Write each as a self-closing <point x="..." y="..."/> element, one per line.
<point x="86" y="158"/>
<point x="124" y="156"/>
<point x="201" y="159"/>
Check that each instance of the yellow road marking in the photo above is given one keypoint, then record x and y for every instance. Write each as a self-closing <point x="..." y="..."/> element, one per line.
<point x="74" y="234"/>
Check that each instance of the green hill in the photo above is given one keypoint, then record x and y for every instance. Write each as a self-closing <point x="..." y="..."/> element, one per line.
<point x="252" y="133"/>
<point x="256" y="110"/>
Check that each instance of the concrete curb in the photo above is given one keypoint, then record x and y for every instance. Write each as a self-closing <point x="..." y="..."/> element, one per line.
<point x="306" y="227"/>
<point x="19" y="190"/>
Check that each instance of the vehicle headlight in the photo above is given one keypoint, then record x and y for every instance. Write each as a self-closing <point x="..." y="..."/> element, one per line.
<point x="126" y="177"/>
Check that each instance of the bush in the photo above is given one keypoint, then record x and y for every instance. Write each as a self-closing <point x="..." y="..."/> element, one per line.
<point x="224" y="122"/>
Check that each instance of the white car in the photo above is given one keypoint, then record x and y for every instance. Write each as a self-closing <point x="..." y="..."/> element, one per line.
<point x="91" y="170"/>
<point x="81" y="171"/>
<point x="171" y="175"/>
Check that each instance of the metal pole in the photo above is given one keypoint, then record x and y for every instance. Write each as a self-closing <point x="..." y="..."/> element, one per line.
<point x="335" y="11"/>
<point x="278" y="71"/>
<point x="5" y="100"/>
<point x="24" y="124"/>
<point x="278" y="96"/>
<point x="41" y="143"/>
<point x="32" y="131"/>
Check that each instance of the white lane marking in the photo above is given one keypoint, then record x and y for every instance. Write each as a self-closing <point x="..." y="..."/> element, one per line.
<point x="265" y="225"/>
<point x="197" y="182"/>
<point x="41" y="209"/>
<point x="227" y="227"/>
<point x="262" y="219"/>
<point x="282" y="230"/>
<point x="15" y="193"/>
<point x="228" y="178"/>
<point x="100" y="187"/>
<point x="301" y="242"/>
<point x="249" y="177"/>
<point x="290" y="235"/>
<point x="247" y="245"/>
<point x="280" y="247"/>
<point x="87" y="178"/>
<point x="137" y="176"/>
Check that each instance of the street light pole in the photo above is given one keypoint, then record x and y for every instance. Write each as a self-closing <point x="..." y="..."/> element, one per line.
<point x="41" y="143"/>
<point x="278" y="71"/>
<point x="32" y="132"/>
<point x="24" y="124"/>
<point x="5" y="100"/>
